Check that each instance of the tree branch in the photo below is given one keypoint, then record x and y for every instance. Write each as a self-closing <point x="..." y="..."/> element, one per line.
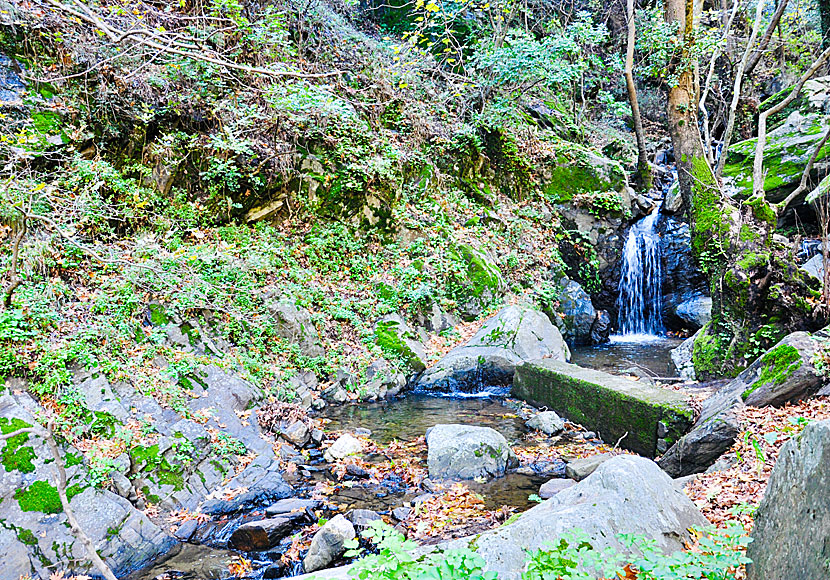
<point x="151" y="40"/>
<point x="805" y="177"/>
<point x="762" y="47"/>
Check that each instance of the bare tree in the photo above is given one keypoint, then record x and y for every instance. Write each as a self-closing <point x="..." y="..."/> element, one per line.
<point x="736" y="89"/>
<point x="643" y="168"/>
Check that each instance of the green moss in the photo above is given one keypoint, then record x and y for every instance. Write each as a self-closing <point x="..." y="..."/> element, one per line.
<point x="747" y="235"/>
<point x="158" y="315"/>
<point x="762" y="210"/>
<point x="16" y="456"/>
<point x="41" y="496"/>
<point x="752" y="260"/>
<point x="777" y="366"/>
<point x="26" y="536"/>
<point x="387" y="336"/>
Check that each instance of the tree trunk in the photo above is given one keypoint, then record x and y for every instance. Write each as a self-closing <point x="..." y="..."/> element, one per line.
<point x="643" y="168"/>
<point x="757" y="293"/>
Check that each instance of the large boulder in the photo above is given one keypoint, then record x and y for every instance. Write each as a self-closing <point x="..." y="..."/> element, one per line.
<point x="696" y="311"/>
<point x="625" y="495"/>
<point x="467" y="452"/>
<point x="575" y="315"/>
<point x="783" y="374"/>
<point x="489" y="359"/>
<point x="792" y="524"/>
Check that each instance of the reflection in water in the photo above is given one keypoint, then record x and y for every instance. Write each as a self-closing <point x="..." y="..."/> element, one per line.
<point x="622" y="353"/>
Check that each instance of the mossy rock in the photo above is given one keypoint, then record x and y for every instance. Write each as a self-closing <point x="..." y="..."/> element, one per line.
<point x="571" y="169"/>
<point x="646" y="419"/>
<point x="398" y="340"/>
<point x="788" y="149"/>
<point x="478" y="285"/>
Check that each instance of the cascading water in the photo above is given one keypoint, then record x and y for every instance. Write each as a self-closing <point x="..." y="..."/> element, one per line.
<point x="639" y="299"/>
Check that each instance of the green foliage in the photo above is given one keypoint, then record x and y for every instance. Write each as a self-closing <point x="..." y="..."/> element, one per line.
<point x="16" y="455"/>
<point x="394" y="559"/>
<point x="718" y="556"/>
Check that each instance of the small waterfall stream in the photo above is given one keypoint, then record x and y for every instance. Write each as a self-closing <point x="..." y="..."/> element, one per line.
<point x="639" y="300"/>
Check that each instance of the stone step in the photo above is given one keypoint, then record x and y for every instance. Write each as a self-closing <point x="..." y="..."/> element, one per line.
<point x="653" y="418"/>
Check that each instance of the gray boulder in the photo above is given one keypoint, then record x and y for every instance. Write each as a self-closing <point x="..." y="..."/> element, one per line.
<point x="682" y="358"/>
<point x="626" y="494"/>
<point x="434" y="319"/>
<point x="815" y="267"/>
<point x="489" y="359"/>
<point x="547" y="422"/>
<point x="294" y="324"/>
<point x="344" y="446"/>
<point x="575" y="315"/>
<point x="792" y="525"/>
<point x="696" y="311"/>
<point x="328" y="543"/>
<point x="467" y="452"/>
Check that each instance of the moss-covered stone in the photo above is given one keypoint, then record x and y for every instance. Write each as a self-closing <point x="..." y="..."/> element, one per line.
<point x="42" y="496"/>
<point x="778" y="365"/>
<point x="648" y="419"/>
<point x="16" y="455"/>
<point x="479" y="283"/>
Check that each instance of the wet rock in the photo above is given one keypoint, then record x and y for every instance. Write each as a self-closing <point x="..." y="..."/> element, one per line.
<point x="548" y="422"/>
<point x="275" y="570"/>
<point x="467" y="452"/>
<point x="264" y="488"/>
<point x="575" y="315"/>
<point x="792" y="524"/>
<point x="393" y="334"/>
<point x="696" y="311"/>
<point x="683" y="282"/>
<point x="357" y="471"/>
<point x="291" y="505"/>
<point x="328" y="543"/>
<point x="554" y="486"/>
<point x="344" y="446"/>
<point x="294" y="324"/>
<point x="489" y="359"/>
<point x="362" y="519"/>
<point x="261" y="535"/>
<point x="185" y="531"/>
<point x="579" y="469"/>
<point x="297" y="433"/>
<point x="711" y="437"/>
<point x="318" y="435"/>
<point x="673" y="201"/>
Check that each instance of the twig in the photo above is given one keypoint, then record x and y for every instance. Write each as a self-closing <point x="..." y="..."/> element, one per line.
<point x="805" y="177"/>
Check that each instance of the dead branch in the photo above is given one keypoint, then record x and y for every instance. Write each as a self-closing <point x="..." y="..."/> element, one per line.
<point x="762" y="46"/>
<point x="14" y="278"/>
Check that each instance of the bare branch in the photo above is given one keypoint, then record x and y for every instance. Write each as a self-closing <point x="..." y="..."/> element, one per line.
<point x="157" y="42"/>
<point x="758" y="164"/>
<point x="762" y="47"/>
<point x="805" y="177"/>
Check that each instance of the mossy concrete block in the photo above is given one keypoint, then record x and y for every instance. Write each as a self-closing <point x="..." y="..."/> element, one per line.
<point x="647" y="418"/>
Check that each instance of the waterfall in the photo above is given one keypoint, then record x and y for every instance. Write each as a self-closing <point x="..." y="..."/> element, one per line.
<point x="641" y="281"/>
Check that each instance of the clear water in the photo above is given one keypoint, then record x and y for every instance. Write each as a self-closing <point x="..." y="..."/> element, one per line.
<point x="650" y="352"/>
<point x="639" y="302"/>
